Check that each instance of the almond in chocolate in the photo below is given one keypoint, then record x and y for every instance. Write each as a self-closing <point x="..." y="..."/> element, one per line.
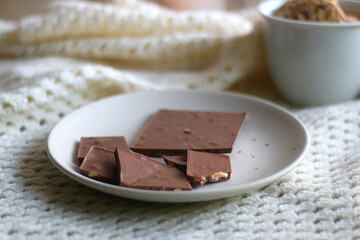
<point x="207" y="167"/>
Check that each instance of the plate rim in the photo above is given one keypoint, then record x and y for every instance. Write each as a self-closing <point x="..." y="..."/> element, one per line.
<point x="162" y="196"/>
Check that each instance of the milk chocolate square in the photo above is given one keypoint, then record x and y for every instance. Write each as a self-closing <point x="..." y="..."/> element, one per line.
<point x="108" y="143"/>
<point x="139" y="171"/>
<point x="100" y="164"/>
<point x="205" y="167"/>
<point x="174" y="132"/>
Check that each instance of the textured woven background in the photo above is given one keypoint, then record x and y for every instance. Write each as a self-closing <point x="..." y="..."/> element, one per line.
<point x="319" y="199"/>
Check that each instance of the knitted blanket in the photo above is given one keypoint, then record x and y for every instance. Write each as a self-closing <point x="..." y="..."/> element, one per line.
<point x="73" y="53"/>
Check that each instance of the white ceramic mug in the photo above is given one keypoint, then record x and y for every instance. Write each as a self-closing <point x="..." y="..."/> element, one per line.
<point x="313" y="63"/>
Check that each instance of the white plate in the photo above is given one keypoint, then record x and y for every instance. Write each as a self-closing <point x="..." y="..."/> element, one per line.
<point x="270" y="144"/>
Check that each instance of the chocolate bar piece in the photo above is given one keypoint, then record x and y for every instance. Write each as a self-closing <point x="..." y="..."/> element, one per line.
<point x="177" y="161"/>
<point x="174" y="132"/>
<point x="108" y="143"/>
<point x="167" y="179"/>
<point x="205" y="167"/>
<point x="100" y="164"/>
<point x="139" y="171"/>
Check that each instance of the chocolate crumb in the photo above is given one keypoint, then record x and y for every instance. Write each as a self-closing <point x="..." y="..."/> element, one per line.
<point x="266" y="144"/>
<point x="187" y="131"/>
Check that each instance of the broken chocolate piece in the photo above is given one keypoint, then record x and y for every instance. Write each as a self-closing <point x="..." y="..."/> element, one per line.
<point x="177" y="161"/>
<point x="139" y="171"/>
<point x="174" y="132"/>
<point x="207" y="167"/>
<point x="108" y="143"/>
<point x="167" y="179"/>
<point x="100" y="164"/>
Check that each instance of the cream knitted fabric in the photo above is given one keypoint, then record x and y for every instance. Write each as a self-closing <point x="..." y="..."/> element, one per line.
<point x="126" y="46"/>
<point x="318" y="200"/>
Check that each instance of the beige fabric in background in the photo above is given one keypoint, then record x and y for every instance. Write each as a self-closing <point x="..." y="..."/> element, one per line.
<point x="16" y="9"/>
<point x="97" y="50"/>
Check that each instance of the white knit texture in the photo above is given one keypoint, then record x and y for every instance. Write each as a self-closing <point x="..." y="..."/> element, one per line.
<point x="118" y="51"/>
